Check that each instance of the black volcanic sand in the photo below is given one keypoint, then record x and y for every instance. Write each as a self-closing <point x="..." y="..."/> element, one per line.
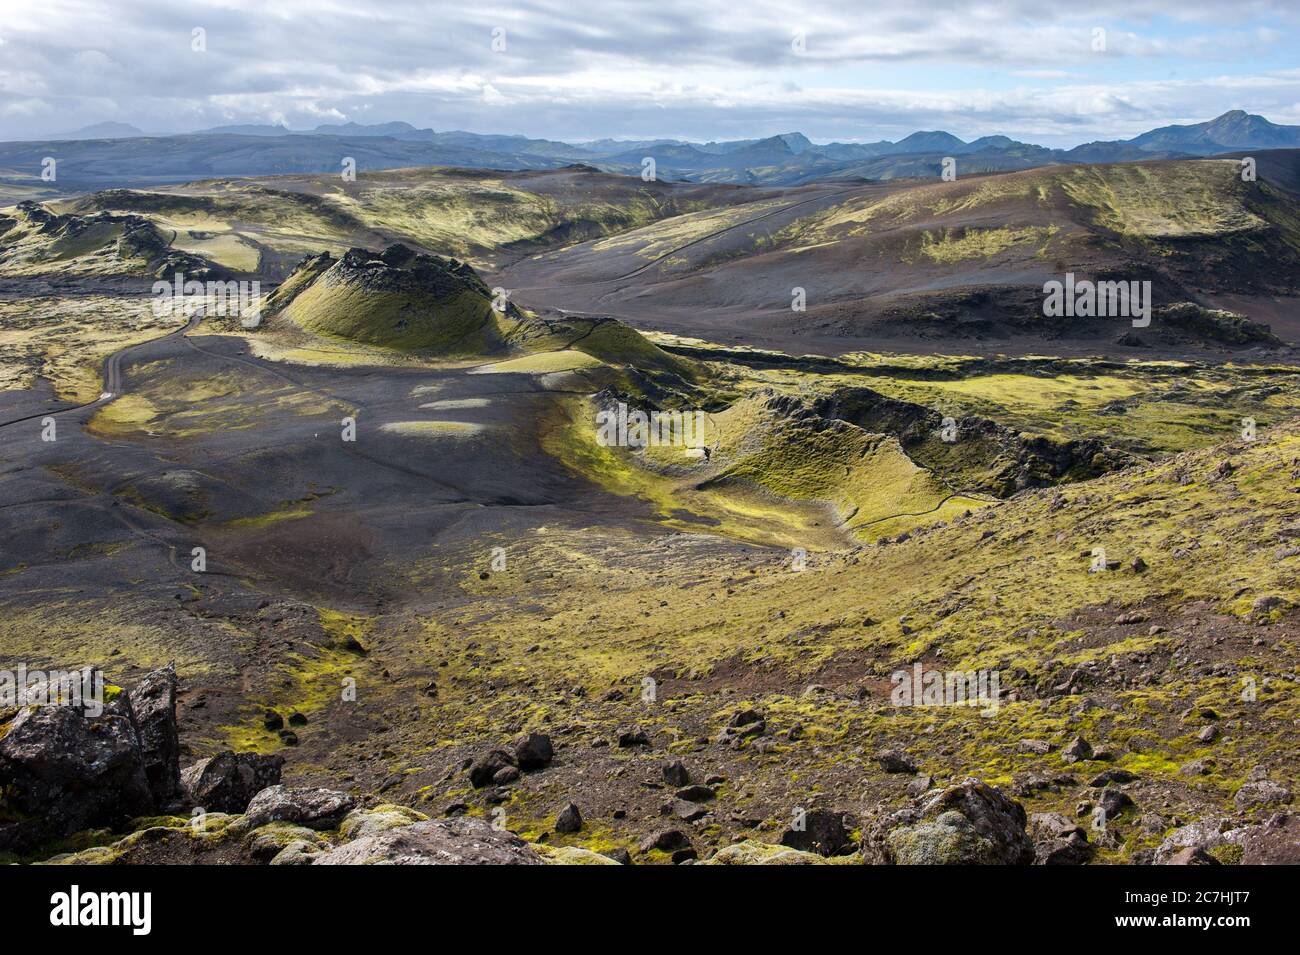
<point x="100" y="529"/>
<point x="861" y="293"/>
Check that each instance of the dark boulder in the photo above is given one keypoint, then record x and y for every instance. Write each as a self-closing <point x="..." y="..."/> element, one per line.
<point x="228" y="781"/>
<point x="821" y="832"/>
<point x="533" y="752"/>
<point x="153" y="701"/>
<point x="62" y="771"/>
<point x="483" y="770"/>
<point x="569" y="819"/>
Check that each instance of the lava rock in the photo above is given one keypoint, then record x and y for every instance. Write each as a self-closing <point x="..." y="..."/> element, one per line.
<point x="821" y="832"/>
<point x="228" y="781"/>
<point x="893" y="761"/>
<point x="1078" y="749"/>
<point x="484" y="769"/>
<point x="310" y="807"/>
<point x="676" y="774"/>
<point x="1057" y="840"/>
<point x="153" y="703"/>
<point x="665" y="840"/>
<point x="533" y="752"/>
<point x="464" y="840"/>
<point x="65" y="772"/>
<point x="569" y="819"/>
<point x="970" y="823"/>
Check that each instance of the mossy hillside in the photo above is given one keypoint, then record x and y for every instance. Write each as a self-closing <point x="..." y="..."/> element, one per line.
<point x="666" y="481"/>
<point x="477" y="215"/>
<point x="1007" y="588"/>
<point x="1164" y="200"/>
<point x="1146" y="407"/>
<point x="866" y="478"/>
<point x="426" y="307"/>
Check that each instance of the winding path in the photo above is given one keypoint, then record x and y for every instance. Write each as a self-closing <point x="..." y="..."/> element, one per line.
<point x="111" y="373"/>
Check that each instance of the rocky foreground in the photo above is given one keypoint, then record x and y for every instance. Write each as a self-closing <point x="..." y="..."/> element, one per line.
<point x="108" y="789"/>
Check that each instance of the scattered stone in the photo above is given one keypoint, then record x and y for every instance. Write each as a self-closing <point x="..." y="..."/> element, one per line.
<point x="1261" y="792"/>
<point x="665" y="840"/>
<point x="920" y="784"/>
<point x="1206" y="834"/>
<point x="310" y="807"/>
<point x="1078" y="749"/>
<point x="695" y="793"/>
<point x="893" y="761"/>
<point x="569" y="819"/>
<point x="621" y="856"/>
<point x="1208" y="734"/>
<point x="1109" y="776"/>
<point x="1114" y="801"/>
<point x="506" y="775"/>
<point x="484" y="769"/>
<point x="687" y="811"/>
<point x="1036" y="746"/>
<point x="821" y="832"/>
<point x="533" y="752"/>
<point x="1266" y="603"/>
<point x="1058" y="840"/>
<point x="635" y="736"/>
<point x="676" y="774"/>
<point x="297" y="719"/>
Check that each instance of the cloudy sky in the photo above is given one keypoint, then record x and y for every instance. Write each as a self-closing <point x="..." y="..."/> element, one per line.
<point x="697" y="69"/>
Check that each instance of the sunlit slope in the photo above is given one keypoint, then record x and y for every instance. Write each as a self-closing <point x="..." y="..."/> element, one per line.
<point x="967" y="258"/>
<point x="477" y="215"/>
<point x="399" y="306"/>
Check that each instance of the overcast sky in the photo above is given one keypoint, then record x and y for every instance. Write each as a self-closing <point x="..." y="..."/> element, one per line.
<point x="695" y="69"/>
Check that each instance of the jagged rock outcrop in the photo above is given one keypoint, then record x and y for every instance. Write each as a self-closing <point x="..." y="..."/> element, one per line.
<point x="61" y="771"/>
<point x="990" y="457"/>
<point x="153" y="701"/>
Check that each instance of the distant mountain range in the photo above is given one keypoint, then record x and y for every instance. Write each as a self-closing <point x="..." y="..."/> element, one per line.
<point x="116" y="154"/>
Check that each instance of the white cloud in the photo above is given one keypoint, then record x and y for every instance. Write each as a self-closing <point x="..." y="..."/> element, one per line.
<point x="699" y="68"/>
